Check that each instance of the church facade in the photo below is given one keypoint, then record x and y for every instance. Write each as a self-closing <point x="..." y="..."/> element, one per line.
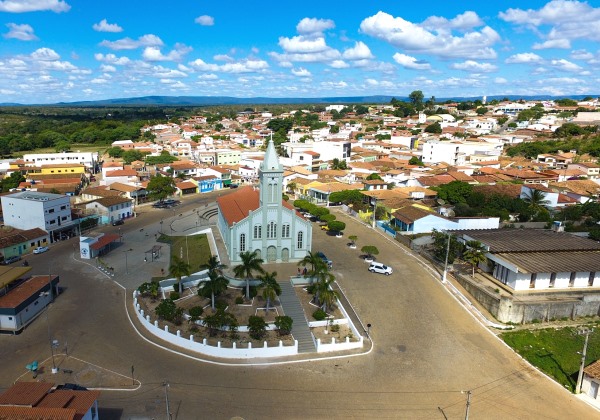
<point x="260" y="220"/>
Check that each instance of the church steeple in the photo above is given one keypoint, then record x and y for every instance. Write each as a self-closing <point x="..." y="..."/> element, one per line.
<point x="271" y="177"/>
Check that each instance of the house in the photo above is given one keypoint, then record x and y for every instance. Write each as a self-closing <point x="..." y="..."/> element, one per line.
<point x="591" y="170"/>
<point x="244" y="214"/>
<point x="416" y="218"/>
<point x="21" y="302"/>
<point x="88" y="159"/>
<point x="110" y="208"/>
<point x="42" y="400"/>
<point x="123" y="176"/>
<point x="16" y="242"/>
<point x="591" y="380"/>
<point x="186" y="187"/>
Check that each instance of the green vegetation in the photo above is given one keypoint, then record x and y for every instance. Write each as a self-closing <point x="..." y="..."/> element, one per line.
<point x="554" y="351"/>
<point x="197" y="245"/>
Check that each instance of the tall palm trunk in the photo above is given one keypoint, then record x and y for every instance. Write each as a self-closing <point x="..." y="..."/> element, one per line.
<point x="247" y="288"/>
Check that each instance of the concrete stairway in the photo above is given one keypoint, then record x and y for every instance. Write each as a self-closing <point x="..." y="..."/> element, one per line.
<point x="292" y="308"/>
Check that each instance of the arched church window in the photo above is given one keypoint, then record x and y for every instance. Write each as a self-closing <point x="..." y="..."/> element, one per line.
<point x="300" y="240"/>
<point x="271" y="230"/>
<point x="257" y="231"/>
<point x="285" y="231"/>
<point x="243" y="242"/>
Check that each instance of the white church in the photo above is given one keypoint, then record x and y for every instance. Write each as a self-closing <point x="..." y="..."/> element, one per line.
<point x="261" y="221"/>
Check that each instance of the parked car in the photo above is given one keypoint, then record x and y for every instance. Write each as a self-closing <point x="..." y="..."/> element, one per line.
<point x="40" y="249"/>
<point x="11" y="260"/>
<point x="377" y="267"/>
<point x="118" y="222"/>
<point x="325" y="259"/>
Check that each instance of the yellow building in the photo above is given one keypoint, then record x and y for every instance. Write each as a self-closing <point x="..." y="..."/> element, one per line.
<point x="62" y="168"/>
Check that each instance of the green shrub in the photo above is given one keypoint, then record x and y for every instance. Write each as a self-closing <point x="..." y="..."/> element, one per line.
<point x="239" y="300"/>
<point x="195" y="313"/>
<point x="174" y="295"/>
<point x="535" y="321"/>
<point x="284" y="324"/>
<point x="319" y="314"/>
<point x="257" y="327"/>
<point x="253" y="291"/>
<point x="335" y="328"/>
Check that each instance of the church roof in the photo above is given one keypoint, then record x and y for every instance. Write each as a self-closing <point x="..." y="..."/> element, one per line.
<point x="236" y="206"/>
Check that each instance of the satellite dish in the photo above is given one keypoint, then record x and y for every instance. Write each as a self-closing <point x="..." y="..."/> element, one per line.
<point x="440" y="201"/>
<point x="451" y="213"/>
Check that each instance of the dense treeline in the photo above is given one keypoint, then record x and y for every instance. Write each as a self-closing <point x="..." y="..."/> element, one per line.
<point x="530" y="150"/>
<point x="28" y="128"/>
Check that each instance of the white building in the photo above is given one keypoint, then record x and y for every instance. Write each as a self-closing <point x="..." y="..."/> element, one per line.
<point x="30" y="209"/>
<point x="455" y="152"/>
<point x="260" y="221"/>
<point x="89" y="159"/>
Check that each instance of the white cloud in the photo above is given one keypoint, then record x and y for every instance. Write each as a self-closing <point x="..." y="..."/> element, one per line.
<point x="581" y="55"/>
<point x="45" y="54"/>
<point x="309" y="26"/>
<point x="301" y="72"/>
<point x="474" y="67"/>
<point x="148" y="40"/>
<point x="568" y="20"/>
<point x="360" y="51"/>
<point x="108" y="68"/>
<point x="166" y="73"/>
<point x="301" y="44"/>
<point x="411" y="63"/>
<point x="523" y="58"/>
<point x="154" y="53"/>
<point x="500" y="81"/>
<point x="468" y="20"/>
<point x="205" y="20"/>
<point x="414" y="38"/>
<point x="334" y="85"/>
<point x="22" y="32"/>
<point x="209" y="76"/>
<point x="111" y="59"/>
<point x="339" y="64"/>
<point x="104" y="26"/>
<point x="244" y="66"/>
<point x="23" y="6"/>
<point x="565" y="65"/>
<point x="552" y="43"/>
<point x="222" y="57"/>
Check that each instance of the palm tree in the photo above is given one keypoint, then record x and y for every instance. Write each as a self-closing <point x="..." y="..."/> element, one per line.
<point x="475" y="254"/>
<point x="178" y="269"/>
<point x="213" y="264"/>
<point x="270" y="287"/>
<point x="326" y="295"/>
<point x="214" y="286"/>
<point x="291" y="187"/>
<point x="316" y="263"/>
<point x="250" y="263"/>
<point x="536" y="199"/>
<point x="323" y="280"/>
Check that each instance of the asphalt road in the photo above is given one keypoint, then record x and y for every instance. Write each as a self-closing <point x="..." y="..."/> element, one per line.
<point x="428" y="350"/>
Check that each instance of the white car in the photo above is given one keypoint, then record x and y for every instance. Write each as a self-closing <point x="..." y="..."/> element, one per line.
<point x="40" y="249"/>
<point x="377" y="267"/>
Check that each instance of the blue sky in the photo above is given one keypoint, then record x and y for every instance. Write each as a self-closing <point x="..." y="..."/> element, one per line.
<point x="72" y="50"/>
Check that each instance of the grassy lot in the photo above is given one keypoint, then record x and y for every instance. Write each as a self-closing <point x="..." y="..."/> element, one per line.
<point x="195" y="247"/>
<point x="554" y="351"/>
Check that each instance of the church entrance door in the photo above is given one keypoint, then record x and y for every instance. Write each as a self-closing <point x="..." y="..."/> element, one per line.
<point x="271" y="254"/>
<point x="285" y="255"/>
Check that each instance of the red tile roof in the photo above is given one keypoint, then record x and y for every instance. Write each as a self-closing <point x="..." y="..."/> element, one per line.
<point x="30" y="413"/>
<point x="25" y="393"/>
<point x="105" y="240"/>
<point x="236" y="207"/>
<point x="23" y="292"/>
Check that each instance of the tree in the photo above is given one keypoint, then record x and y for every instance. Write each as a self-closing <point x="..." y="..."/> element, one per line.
<point x="353" y="239"/>
<point x="168" y="310"/>
<point x="373" y="176"/>
<point x="195" y="313"/>
<point x="214" y="286"/>
<point x="291" y="187"/>
<point x="440" y="246"/>
<point x="213" y="265"/>
<point x="284" y="325"/>
<point x="161" y="187"/>
<point x="62" y="146"/>
<point x="370" y="250"/>
<point x="416" y="98"/>
<point x="326" y="295"/>
<point x="315" y="262"/>
<point x="115" y="152"/>
<point x="178" y="269"/>
<point x="149" y="289"/>
<point x="338" y="164"/>
<point x="454" y="192"/>
<point x="131" y="155"/>
<point x="12" y="181"/>
<point x="270" y="287"/>
<point x="536" y="199"/>
<point x="257" y="327"/>
<point x="336" y="226"/>
<point x="251" y="263"/>
<point x="415" y="161"/>
<point x="434" y="128"/>
<point x="474" y="254"/>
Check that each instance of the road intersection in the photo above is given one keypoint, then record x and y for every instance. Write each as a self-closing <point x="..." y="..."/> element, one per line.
<point x="428" y="351"/>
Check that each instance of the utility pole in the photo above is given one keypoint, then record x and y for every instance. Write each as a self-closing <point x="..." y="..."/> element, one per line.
<point x="166" y="384"/>
<point x="468" y="405"/>
<point x="587" y="333"/>
<point x="445" y="275"/>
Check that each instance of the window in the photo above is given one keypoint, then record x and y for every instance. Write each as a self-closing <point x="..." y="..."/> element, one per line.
<point x="591" y="278"/>
<point x="271" y="230"/>
<point x="532" y="280"/>
<point x="300" y="240"/>
<point x="285" y="231"/>
<point x="63" y="218"/>
<point x="243" y="242"/>
<point x="257" y="231"/>
<point x="51" y="211"/>
<point x="572" y="279"/>
<point x="552" y="279"/>
<point x="63" y="207"/>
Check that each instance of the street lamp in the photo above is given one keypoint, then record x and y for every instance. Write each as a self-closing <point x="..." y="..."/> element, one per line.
<point x="53" y="343"/>
<point x="586" y="332"/>
<point x="126" y="267"/>
<point x="374" y="212"/>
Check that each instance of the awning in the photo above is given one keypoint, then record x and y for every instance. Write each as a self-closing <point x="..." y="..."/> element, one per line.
<point x="105" y="240"/>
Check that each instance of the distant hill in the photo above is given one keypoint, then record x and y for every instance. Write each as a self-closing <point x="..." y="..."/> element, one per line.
<point x="229" y="100"/>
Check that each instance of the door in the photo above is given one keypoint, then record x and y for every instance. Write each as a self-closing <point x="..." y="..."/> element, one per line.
<point x="285" y="255"/>
<point x="593" y="391"/>
<point x="271" y="253"/>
